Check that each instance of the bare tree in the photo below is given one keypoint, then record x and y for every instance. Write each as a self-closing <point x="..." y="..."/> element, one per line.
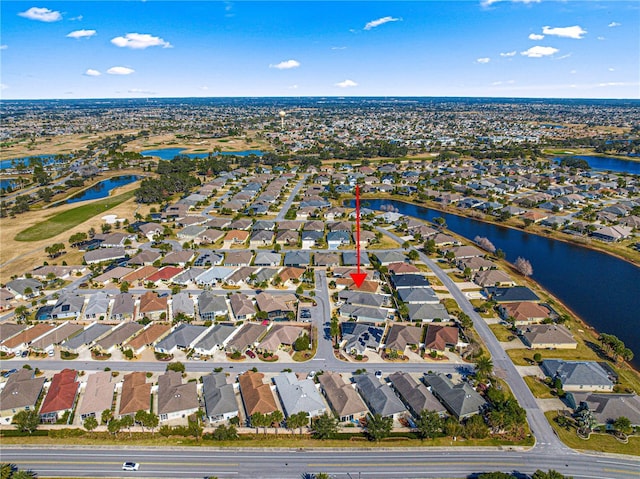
<point x="523" y="266"/>
<point x="485" y="244"/>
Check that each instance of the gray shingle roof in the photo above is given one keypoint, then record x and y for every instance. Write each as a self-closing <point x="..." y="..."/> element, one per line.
<point x="460" y="400"/>
<point x="181" y="337"/>
<point x="219" y="397"/>
<point x="215" y="337"/>
<point x="87" y="336"/>
<point x="379" y="397"/>
<point x="298" y="395"/>
<point x="577" y="373"/>
<point x="415" y="395"/>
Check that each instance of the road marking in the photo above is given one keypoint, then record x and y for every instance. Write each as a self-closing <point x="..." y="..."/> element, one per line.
<point x="39" y="461"/>
<point x="633" y="473"/>
<point x="414" y="464"/>
<point x="318" y="359"/>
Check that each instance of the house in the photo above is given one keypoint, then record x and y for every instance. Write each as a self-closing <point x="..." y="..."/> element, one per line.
<point x="386" y="258"/>
<point x="68" y="306"/>
<point x="261" y="238"/>
<point x="267" y="258"/>
<point x="182" y="337"/>
<point x="180" y="258"/>
<point x="213" y="275"/>
<point x="215" y="339"/>
<point x="427" y="312"/>
<point x="148" y="337"/>
<point x="164" y="274"/>
<point x="290" y="273"/>
<point x="415" y="396"/>
<point x="606" y="408"/>
<point x="511" y="295"/>
<point x="238" y="258"/>
<point x="357" y="337"/>
<point x="264" y="275"/>
<point x="211" y="306"/>
<point x="119" y="336"/>
<point x="280" y="334"/>
<point x="335" y="239"/>
<point x="146" y="257"/>
<point x="8" y="330"/>
<point x="61" y="396"/>
<point x="364" y="299"/>
<point x="418" y="296"/>
<point x="91" y="333"/>
<point x="524" y="312"/>
<point x="299" y="395"/>
<point x="139" y="274"/>
<point x="103" y="254"/>
<point x="297" y="258"/>
<point x="24" y="288"/>
<point x="350" y="258"/>
<point x="365" y="313"/>
<point x="242" y="307"/>
<point x="246" y="337"/>
<point x="97" y="396"/>
<point x="6" y="297"/>
<point x="175" y="399"/>
<point x="151" y="230"/>
<point x="219" y="397"/>
<point x="97" y="306"/>
<point x="182" y="305"/>
<point x="136" y="394"/>
<point x="209" y="237"/>
<point x="402" y="335"/>
<point x="611" y="234"/>
<point x="191" y="232"/>
<point x="474" y="264"/>
<point x="578" y="375"/>
<point x="123" y="307"/>
<point x="439" y="338"/>
<point x="208" y="258"/>
<point x="492" y="277"/>
<point x="409" y="281"/>
<point x="342" y="397"/>
<point x="310" y="238"/>
<point x="398" y="268"/>
<point x="460" y="399"/>
<point x="152" y="306"/>
<point x="234" y="237"/>
<point x="241" y="275"/>
<point x="379" y="397"/>
<point x="287" y="237"/>
<point x="55" y="336"/>
<point x="278" y="306"/>
<point x="256" y="395"/>
<point x="547" y="336"/>
<point x="20" y="393"/>
<point x="329" y="260"/>
<point x="24" y="338"/>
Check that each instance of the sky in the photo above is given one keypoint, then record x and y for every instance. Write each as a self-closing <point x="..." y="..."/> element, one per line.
<point x="470" y="48"/>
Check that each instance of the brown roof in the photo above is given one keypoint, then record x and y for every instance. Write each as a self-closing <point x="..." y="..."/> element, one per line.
<point x="256" y="395"/>
<point x="149" y="335"/>
<point x="525" y="311"/>
<point x="401" y="335"/>
<point x="280" y="334"/>
<point x="236" y="235"/>
<point x="342" y="398"/>
<point x="98" y="394"/>
<point x="136" y="393"/>
<point x="367" y="286"/>
<point x="140" y="273"/>
<point x="290" y="272"/>
<point x="173" y="396"/>
<point x="439" y="336"/>
<point x="57" y="335"/>
<point x="27" y="335"/>
<point x="402" y="268"/>
<point x="543" y="334"/>
<point x="248" y="334"/>
<point x="151" y="302"/>
<point x="21" y="390"/>
<point x="119" y="335"/>
<point x="10" y="329"/>
<point x="271" y="302"/>
<point x="62" y="392"/>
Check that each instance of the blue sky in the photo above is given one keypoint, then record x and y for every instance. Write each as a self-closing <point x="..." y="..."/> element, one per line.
<point x="496" y="48"/>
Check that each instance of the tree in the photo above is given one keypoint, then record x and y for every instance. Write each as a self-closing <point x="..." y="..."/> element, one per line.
<point x="452" y="427"/>
<point x="90" y="423"/>
<point x="552" y="474"/>
<point x="429" y="424"/>
<point x="194" y="426"/>
<point x="77" y="238"/>
<point x="413" y="255"/>
<point x="258" y="420"/>
<point x="27" y="421"/>
<point x="378" y="427"/>
<point x="298" y="420"/>
<point x="302" y="343"/>
<point x="430" y="246"/>
<point x="495" y="475"/>
<point x="484" y="367"/>
<point x="114" y="426"/>
<point x="500" y="254"/>
<point x="276" y="418"/>
<point x="127" y="421"/>
<point x="124" y="287"/>
<point x="224" y="433"/>
<point x="485" y="244"/>
<point x="623" y="424"/>
<point x="11" y="471"/>
<point x="523" y="267"/>
<point x="176" y="366"/>
<point x="325" y="427"/>
<point x="334" y="329"/>
<point x="106" y="416"/>
<point x="54" y="250"/>
<point x="21" y="312"/>
<point x="475" y="427"/>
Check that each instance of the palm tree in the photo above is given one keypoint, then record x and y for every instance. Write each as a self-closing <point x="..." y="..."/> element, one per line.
<point x="484" y="367"/>
<point x="276" y="418"/>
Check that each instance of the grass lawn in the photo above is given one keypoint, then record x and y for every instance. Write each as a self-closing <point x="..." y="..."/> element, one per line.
<point x="597" y="442"/>
<point x="451" y="305"/>
<point x="539" y="390"/>
<point x="502" y="333"/>
<point x="68" y="219"/>
<point x="521" y="357"/>
<point x="457" y="277"/>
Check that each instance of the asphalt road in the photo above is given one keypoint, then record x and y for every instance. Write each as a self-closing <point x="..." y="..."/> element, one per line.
<point x="283" y="464"/>
<point x="292" y="195"/>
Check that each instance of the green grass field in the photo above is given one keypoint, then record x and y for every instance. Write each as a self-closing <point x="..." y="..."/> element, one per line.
<point x="68" y="219"/>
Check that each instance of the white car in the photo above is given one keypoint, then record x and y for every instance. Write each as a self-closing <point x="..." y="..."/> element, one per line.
<point x="51" y="353"/>
<point x="130" y="466"/>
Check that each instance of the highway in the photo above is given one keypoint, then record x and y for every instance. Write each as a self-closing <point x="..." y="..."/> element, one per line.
<point x="293" y="463"/>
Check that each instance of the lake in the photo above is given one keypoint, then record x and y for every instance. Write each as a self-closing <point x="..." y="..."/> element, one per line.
<point x="6" y="164"/>
<point x="170" y="153"/>
<point x="608" y="163"/>
<point x="602" y="290"/>
<point x="102" y="189"/>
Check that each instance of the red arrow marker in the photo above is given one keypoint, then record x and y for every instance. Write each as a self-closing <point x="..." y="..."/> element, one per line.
<point x="358" y="278"/>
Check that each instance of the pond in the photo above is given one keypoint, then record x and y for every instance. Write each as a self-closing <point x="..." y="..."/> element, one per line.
<point x="102" y="189"/>
<point x="171" y="153"/>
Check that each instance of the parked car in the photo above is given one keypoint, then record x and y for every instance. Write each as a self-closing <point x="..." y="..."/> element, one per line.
<point x="51" y="353"/>
<point x="250" y="353"/>
<point x="24" y="353"/>
<point x="9" y="373"/>
<point x="378" y="374"/>
<point x="305" y="314"/>
<point x="130" y="466"/>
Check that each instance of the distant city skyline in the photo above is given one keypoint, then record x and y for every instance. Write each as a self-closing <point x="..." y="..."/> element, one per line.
<point x="479" y="48"/>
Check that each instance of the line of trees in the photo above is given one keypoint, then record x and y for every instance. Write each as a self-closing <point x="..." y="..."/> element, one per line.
<point x="615" y="347"/>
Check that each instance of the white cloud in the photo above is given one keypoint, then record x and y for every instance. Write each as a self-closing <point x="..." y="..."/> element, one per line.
<point x="575" y="32"/>
<point x="614" y="24"/>
<point x="293" y="87"/>
<point x="539" y="51"/>
<point x="535" y="36"/>
<point x="78" y="18"/>
<point x="380" y="21"/>
<point x="600" y="38"/>
<point x="144" y="92"/>
<point x="564" y="56"/>
<point x="204" y="87"/>
<point x="500" y="82"/>
<point x="338" y="48"/>
<point x="92" y="73"/>
<point x="483" y="60"/>
<point x="139" y="41"/>
<point x="286" y="65"/>
<point x="41" y="14"/>
<point x="508" y="54"/>
<point x="612" y="69"/>
<point x="120" y="71"/>
<point x="487" y="3"/>
<point x="4" y="47"/>
<point x="81" y="34"/>
<point x="346" y="84"/>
